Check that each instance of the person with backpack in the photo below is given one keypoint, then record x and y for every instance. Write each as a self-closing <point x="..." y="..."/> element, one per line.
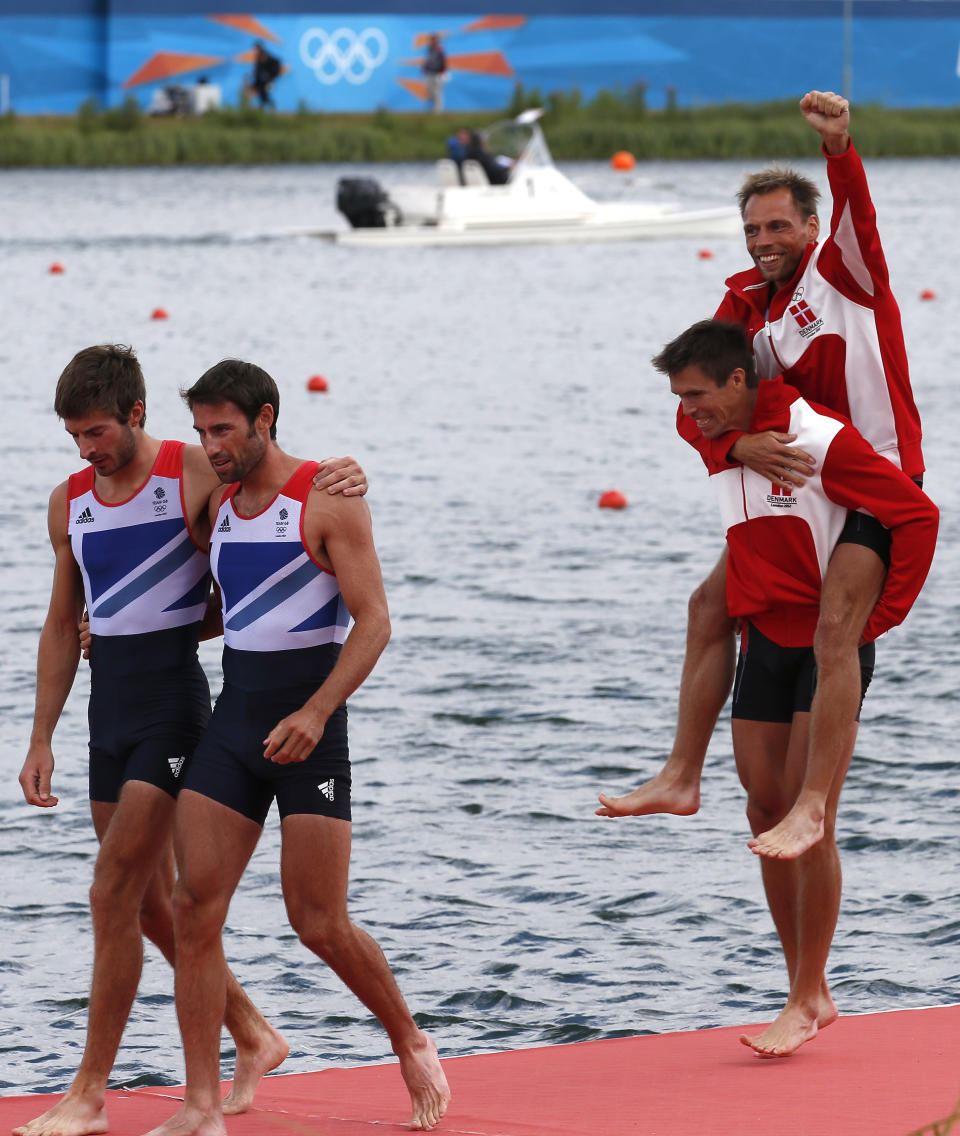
<point x="266" y="69"/>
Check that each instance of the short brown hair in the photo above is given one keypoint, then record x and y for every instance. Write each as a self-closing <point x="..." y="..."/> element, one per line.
<point x="714" y="346"/>
<point x="805" y="195"/>
<point x="107" y="378"/>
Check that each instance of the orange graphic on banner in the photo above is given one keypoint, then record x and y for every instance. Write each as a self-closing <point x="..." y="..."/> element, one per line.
<point x="482" y="63"/>
<point x="416" y="87"/>
<point x="495" y="23"/>
<point x="166" y="64"/>
<point x="249" y="24"/>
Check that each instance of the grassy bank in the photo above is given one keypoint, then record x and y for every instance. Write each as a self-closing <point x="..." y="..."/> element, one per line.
<point x="575" y="129"/>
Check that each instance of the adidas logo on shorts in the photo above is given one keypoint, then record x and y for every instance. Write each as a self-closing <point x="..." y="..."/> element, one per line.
<point x="85" y="518"/>
<point x="326" y="787"/>
<point x="176" y="765"/>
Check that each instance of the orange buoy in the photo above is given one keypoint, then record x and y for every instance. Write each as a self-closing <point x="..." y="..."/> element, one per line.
<point x="56" y="269"/>
<point x="159" y="314"/>
<point x="612" y="499"/>
<point x="623" y="160"/>
<point x="317" y="383"/>
<point x="705" y="254"/>
<point x="928" y="294"/>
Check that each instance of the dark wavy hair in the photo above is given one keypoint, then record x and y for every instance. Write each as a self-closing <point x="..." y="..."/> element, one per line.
<point x="244" y="384"/>
<point x="105" y="378"/>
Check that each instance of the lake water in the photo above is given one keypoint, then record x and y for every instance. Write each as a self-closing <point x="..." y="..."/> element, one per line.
<point x="491" y="394"/>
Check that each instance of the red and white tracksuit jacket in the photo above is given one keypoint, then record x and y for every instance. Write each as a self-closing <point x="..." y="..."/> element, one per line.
<point x="834" y="331"/>
<point x="780" y="540"/>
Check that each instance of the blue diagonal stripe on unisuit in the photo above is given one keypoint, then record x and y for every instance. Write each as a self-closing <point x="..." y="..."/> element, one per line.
<point x="274" y="596"/>
<point x="196" y="595"/>
<point x="333" y="613"/>
<point x="146" y="580"/>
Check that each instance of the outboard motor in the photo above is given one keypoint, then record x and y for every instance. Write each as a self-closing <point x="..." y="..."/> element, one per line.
<point x="364" y="204"/>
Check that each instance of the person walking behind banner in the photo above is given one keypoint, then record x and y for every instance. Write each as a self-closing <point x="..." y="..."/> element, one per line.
<point x="824" y="315"/>
<point x="292" y="568"/>
<point x="129" y="535"/>
<point x="779" y="544"/>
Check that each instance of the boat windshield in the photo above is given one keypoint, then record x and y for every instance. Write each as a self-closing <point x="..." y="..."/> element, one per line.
<point x="519" y="139"/>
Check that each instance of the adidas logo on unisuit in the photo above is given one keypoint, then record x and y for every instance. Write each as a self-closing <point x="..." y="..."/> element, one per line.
<point x="176" y="765"/>
<point x="224" y="525"/>
<point x="85" y="518"/>
<point x="326" y="787"/>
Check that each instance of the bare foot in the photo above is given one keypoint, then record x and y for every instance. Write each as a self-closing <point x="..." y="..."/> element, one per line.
<point x="799" y="830"/>
<point x="426" y="1082"/>
<point x="663" y="794"/>
<point x="72" y="1115"/>
<point x="827" y="1012"/>
<point x="792" y="1028"/>
<point x="191" y="1121"/>
<point x="251" y="1065"/>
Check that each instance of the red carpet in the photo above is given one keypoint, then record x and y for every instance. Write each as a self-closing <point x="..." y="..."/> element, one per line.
<point x="891" y="1074"/>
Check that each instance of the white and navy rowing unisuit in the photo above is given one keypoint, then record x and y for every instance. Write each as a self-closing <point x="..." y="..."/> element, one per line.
<point x="284" y="617"/>
<point x="144" y="578"/>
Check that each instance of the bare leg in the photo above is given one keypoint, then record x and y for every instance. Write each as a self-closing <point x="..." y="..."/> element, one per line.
<point x="317" y="907"/>
<point x="705" y="684"/>
<point x="214" y="845"/>
<point x="850" y="591"/>
<point x="803" y="893"/>
<point x="133" y="834"/>
<point x="135" y="838"/>
<point x="259" y="1047"/>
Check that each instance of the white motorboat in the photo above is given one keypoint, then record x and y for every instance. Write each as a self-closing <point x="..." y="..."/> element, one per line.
<point x="536" y="204"/>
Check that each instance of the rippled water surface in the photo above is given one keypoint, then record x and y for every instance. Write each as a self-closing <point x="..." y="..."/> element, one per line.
<point x="491" y="395"/>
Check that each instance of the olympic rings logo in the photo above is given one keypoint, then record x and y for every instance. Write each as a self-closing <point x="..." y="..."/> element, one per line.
<point x="343" y="54"/>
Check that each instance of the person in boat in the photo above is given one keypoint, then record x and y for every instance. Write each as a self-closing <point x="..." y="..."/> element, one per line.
<point x="129" y="535"/>
<point x="497" y="168"/>
<point x="457" y="145"/>
<point x="279" y="732"/>
<point x="824" y="315"/>
<point x="779" y="542"/>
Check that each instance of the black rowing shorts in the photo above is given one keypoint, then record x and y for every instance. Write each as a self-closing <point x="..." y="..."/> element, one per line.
<point x="773" y="683"/>
<point x="144" y="727"/>
<point x="865" y="529"/>
<point x="228" y="765"/>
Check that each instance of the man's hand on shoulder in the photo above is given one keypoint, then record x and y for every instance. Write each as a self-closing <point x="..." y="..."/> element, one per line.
<point x="341" y="475"/>
<point x="771" y="455"/>
<point x="829" y="115"/>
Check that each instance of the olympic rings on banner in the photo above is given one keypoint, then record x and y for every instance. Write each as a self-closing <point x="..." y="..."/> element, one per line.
<point x="343" y="54"/>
